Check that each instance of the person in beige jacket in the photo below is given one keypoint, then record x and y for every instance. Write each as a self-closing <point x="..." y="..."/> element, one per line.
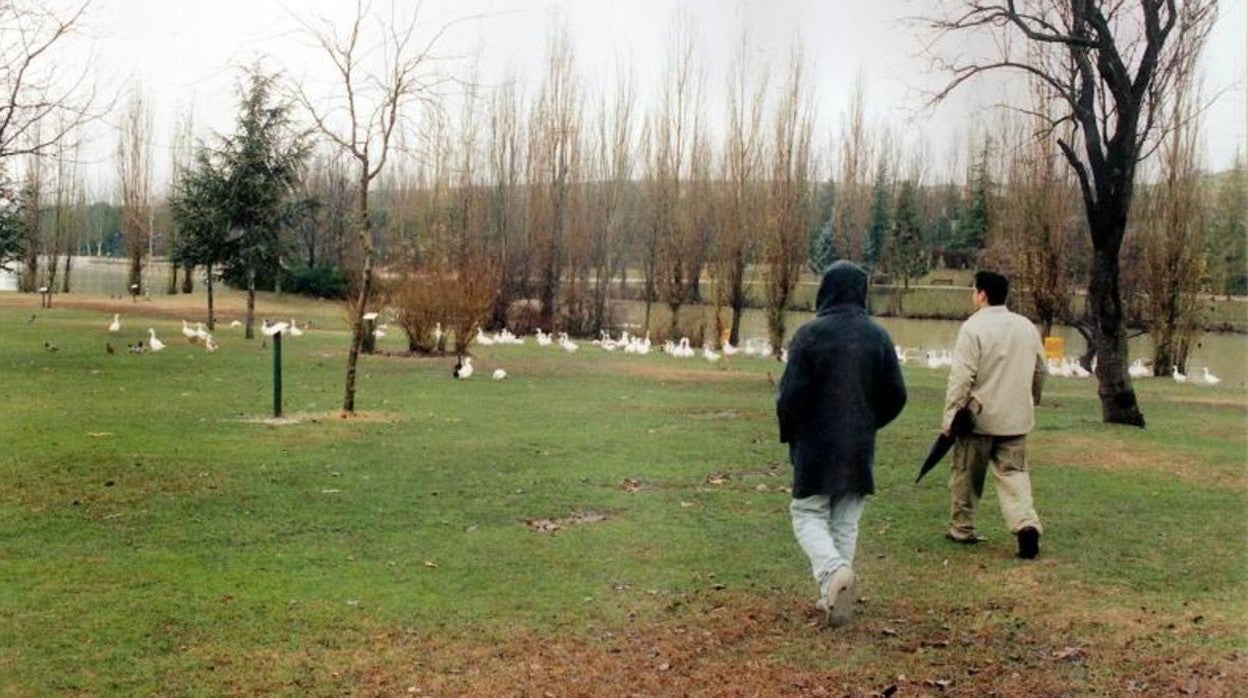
<point x="998" y="370"/>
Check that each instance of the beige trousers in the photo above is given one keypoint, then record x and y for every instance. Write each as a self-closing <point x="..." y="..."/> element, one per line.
<point x="1007" y="456"/>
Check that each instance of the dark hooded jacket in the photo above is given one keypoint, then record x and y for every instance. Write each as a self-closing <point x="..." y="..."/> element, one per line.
<point x="842" y="384"/>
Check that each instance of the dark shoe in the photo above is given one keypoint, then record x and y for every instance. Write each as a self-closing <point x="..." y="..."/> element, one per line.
<point x="968" y="540"/>
<point x="1028" y="543"/>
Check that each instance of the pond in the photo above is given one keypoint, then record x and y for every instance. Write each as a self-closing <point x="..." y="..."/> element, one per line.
<point x="1223" y="353"/>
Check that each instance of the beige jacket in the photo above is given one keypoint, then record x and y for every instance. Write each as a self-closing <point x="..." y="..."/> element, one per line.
<point x="998" y="362"/>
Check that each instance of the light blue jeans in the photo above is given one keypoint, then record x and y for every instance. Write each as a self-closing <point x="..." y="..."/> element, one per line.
<point x="827" y="531"/>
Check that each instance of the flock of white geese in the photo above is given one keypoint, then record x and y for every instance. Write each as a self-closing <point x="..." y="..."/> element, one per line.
<point x="195" y="335"/>
<point x="627" y="343"/>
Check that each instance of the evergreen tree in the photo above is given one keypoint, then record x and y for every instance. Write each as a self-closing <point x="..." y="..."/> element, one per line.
<point x="12" y="223"/>
<point x="907" y="253"/>
<point x="260" y="162"/>
<point x="877" y="231"/>
<point x="823" y="240"/>
<point x="198" y="210"/>
<point x="973" y="225"/>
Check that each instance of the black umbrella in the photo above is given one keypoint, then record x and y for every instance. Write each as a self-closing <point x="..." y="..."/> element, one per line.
<point x="963" y="423"/>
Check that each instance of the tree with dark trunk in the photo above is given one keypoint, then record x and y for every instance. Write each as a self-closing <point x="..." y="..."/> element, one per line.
<point x="1111" y="68"/>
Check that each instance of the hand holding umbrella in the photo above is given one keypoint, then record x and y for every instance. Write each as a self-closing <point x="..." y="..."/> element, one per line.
<point x="963" y="424"/>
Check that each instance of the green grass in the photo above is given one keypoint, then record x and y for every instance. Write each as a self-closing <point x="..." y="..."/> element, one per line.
<point x="156" y="538"/>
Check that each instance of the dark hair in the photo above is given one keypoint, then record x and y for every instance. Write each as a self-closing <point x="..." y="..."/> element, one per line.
<point x="994" y="285"/>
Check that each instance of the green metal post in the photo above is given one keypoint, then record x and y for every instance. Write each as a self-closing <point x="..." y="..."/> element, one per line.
<point x="277" y="375"/>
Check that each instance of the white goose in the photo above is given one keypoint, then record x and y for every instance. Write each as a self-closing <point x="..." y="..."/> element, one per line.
<point x="708" y="354"/>
<point x="115" y="325"/>
<point x="499" y="374"/>
<point x="1137" y="369"/>
<point x="730" y="350"/>
<point x="294" y="329"/>
<point x="152" y="343"/>
<point x="543" y="339"/>
<point x="1209" y="377"/>
<point x="483" y="339"/>
<point x="463" y="369"/>
<point x="188" y="332"/>
<point x="210" y="344"/>
<point x="1178" y="377"/>
<point x="201" y="333"/>
<point x="567" y="344"/>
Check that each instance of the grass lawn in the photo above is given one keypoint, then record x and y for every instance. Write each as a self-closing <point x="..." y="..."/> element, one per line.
<point x="597" y="524"/>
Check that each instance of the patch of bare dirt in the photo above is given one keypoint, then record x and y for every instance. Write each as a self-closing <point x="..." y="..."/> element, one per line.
<point x="669" y="372"/>
<point x="318" y="417"/>
<point x="724" y="645"/>
<point x="1118" y="455"/>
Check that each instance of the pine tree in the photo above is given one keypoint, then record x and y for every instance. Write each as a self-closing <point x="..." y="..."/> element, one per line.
<point x="823" y="242"/>
<point x="877" y="232"/>
<point x="907" y="256"/>
<point x="973" y="225"/>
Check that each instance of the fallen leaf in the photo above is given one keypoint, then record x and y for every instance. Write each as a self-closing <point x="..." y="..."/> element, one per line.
<point x="631" y="485"/>
<point x="1071" y="654"/>
<point x="760" y="487"/>
<point x="889" y="632"/>
<point x="430" y="563"/>
<point x="543" y="525"/>
<point x="715" y="479"/>
<point x="99" y="433"/>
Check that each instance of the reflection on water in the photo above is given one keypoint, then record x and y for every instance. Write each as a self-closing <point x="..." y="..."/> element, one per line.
<point x="1224" y="354"/>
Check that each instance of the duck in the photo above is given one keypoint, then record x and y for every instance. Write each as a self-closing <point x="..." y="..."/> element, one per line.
<point x="567" y="344"/>
<point x="499" y="374"/>
<point x="683" y="349"/>
<point x="115" y="325"/>
<point x="1210" y="379"/>
<point x="1178" y="377"/>
<point x="294" y="329"/>
<point x="484" y="339"/>
<point x="1137" y="369"/>
<point x="543" y="339"/>
<point x="189" y="333"/>
<point x="463" y="368"/>
<point x="153" y="343"/>
<point x="708" y="354"/>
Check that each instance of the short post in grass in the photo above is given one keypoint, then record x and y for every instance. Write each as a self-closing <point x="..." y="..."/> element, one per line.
<point x="277" y="375"/>
<point x="369" y="343"/>
<point x="275" y="331"/>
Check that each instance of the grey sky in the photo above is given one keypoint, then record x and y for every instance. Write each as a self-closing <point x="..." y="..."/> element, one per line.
<point x="188" y="52"/>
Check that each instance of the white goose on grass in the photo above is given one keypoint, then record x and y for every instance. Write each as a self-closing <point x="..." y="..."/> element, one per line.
<point x="543" y="339"/>
<point x="708" y="354"/>
<point x="294" y="329"/>
<point x="153" y="344"/>
<point x="463" y="368"/>
<point x="210" y="344"/>
<point x="1137" y="369"/>
<point x="200" y="333"/>
<point x="188" y="332"/>
<point x="484" y="339"/>
<point x="1178" y="377"/>
<point x="1210" y="379"/>
<point x="567" y="344"/>
<point x="499" y="374"/>
<point x="115" y="325"/>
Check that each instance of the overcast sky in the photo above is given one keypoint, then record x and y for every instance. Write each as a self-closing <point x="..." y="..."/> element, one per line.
<point x="188" y="53"/>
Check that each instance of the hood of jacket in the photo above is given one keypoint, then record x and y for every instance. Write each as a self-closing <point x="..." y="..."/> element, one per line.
<point x="844" y="283"/>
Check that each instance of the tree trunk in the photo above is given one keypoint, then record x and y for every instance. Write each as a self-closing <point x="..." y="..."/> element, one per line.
<point x="250" y="331"/>
<point x="188" y="279"/>
<point x="1118" y="402"/>
<point x="30" y="280"/>
<point x="737" y="298"/>
<point x="65" y="276"/>
<point x="366" y="282"/>
<point x="135" y="280"/>
<point x="212" y="320"/>
<point x="172" y="288"/>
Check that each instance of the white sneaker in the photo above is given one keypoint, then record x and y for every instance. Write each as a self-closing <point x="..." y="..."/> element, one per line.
<point x="838" y="597"/>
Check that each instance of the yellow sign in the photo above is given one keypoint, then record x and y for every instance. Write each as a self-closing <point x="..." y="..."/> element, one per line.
<point x="1054" y="347"/>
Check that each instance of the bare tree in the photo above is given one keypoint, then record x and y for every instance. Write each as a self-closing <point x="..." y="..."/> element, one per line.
<point x="1110" y="67"/>
<point x="852" y="208"/>
<point x="506" y="217"/>
<point x="1171" y="234"/>
<point x="134" y="170"/>
<point x="785" y="231"/>
<point x="38" y="86"/>
<point x="63" y="236"/>
<point x="677" y="135"/>
<point x="374" y="103"/>
<point x="182" y="160"/>
<point x="737" y="241"/>
<point x="554" y="162"/>
<point x="613" y="164"/>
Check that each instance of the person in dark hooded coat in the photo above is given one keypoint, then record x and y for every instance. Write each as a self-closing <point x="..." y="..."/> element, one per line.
<point x="842" y="384"/>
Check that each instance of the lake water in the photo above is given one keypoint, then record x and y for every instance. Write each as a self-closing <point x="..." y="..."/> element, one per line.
<point x="1225" y="354"/>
